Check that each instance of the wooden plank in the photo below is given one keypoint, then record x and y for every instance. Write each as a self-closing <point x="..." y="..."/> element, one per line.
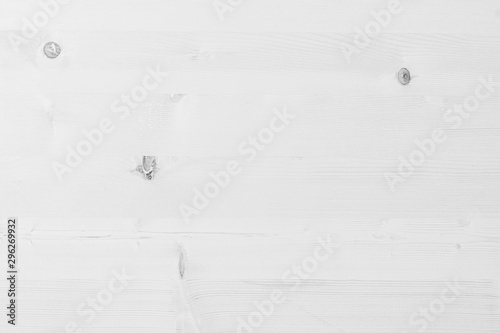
<point x="391" y="268"/>
<point x="444" y="16"/>
<point x="222" y="63"/>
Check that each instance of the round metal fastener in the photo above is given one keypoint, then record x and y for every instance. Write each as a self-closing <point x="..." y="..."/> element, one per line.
<point x="404" y="76"/>
<point x="52" y="50"/>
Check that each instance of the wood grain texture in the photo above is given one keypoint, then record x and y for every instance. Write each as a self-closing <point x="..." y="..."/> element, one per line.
<point x="324" y="174"/>
<point x="444" y="16"/>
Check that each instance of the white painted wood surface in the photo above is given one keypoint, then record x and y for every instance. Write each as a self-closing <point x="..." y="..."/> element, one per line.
<point x="323" y="175"/>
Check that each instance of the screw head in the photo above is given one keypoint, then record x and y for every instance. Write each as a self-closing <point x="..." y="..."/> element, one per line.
<point x="52" y="50"/>
<point x="404" y="76"/>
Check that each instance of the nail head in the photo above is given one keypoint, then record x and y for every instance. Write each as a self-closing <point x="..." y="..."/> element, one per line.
<point x="52" y="50"/>
<point x="404" y="76"/>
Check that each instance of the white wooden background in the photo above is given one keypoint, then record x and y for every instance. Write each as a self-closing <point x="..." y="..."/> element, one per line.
<point x="323" y="175"/>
